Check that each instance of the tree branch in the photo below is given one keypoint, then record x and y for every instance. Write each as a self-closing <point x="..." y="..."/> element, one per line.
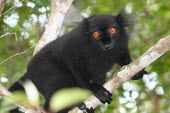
<point x="58" y="13"/>
<point x="126" y="72"/>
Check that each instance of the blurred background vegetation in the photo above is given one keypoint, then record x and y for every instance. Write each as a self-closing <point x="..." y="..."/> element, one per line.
<point x="23" y="25"/>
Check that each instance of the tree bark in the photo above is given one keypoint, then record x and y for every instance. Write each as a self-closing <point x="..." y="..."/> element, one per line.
<point x="126" y="72"/>
<point x="58" y="13"/>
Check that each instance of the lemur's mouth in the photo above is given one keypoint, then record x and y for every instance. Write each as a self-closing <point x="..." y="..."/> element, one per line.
<point x="107" y="47"/>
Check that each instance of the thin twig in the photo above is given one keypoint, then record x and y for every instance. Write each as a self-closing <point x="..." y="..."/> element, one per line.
<point x="8" y="33"/>
<point x="10" y="9"/>
<point x="20" y="53"/>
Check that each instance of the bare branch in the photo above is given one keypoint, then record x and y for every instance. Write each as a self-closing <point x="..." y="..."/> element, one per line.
<point x="16" y="55"/>
<point x="58" y="12"/>
<point x="8" y="33"/>
<point x="10" y="8"/>
<point x="126" y="72"/>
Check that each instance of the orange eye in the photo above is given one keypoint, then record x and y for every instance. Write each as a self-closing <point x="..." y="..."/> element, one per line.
<point x="112" y="30"/>
<point x="96" y="34"/>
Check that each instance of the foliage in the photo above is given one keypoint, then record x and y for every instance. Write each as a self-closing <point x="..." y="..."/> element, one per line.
<point x="68" y="97"/>
<point x="28" y="19"/>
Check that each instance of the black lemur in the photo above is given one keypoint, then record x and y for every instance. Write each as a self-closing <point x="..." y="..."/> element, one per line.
<point x="81" y="58"/>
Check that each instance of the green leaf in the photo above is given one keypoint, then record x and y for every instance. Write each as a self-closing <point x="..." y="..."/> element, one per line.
<point x="67" y="97"/>
<point x="18" y="97"/>
<point x="32" y="93"/>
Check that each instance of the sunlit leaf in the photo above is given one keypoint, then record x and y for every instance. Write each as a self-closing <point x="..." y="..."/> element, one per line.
<point x="67" y="97"/>
<point x="18" y="97"/>
<point x="32" y="93"/>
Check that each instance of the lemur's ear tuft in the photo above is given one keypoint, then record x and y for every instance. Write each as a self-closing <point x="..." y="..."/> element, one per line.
<point x="123" y="19"/>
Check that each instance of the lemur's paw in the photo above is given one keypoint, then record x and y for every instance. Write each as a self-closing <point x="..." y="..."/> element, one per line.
<point x="139" y="75"/>
<point x="82" y="106"/>
<point x="102" y="94"/>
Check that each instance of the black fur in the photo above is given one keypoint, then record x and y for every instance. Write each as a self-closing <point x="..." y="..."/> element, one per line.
<point x="77" y="59"/>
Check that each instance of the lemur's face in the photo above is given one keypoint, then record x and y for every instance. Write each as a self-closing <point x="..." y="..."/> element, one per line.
<point x="105" y="31"/>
